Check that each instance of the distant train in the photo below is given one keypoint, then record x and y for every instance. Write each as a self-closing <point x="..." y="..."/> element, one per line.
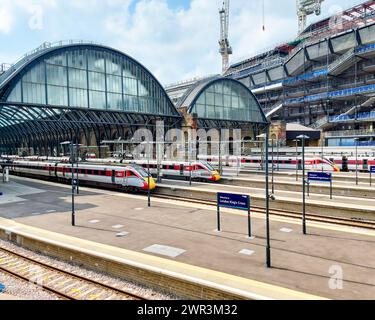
<point x="349" y="163"/>
<point x="284" y="162"/>
<point x="128" y="178"/>
<point x="197" y="170"/>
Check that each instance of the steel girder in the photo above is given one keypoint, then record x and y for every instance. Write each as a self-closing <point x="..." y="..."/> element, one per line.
<point x="39" y="124"/>
<point x="225" y="124"/>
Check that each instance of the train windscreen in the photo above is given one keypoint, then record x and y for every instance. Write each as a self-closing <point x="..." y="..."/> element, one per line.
<point x="208" y="165"/>
<point x="329" y="161"/>
<point x="143" y="173"/>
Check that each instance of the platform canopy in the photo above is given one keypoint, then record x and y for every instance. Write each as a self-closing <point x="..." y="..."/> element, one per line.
<point x="63" y="88"/>
<point x="222" y="102"/>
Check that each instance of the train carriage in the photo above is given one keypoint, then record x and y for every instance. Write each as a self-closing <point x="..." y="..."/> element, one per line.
<point x="281" y="162"/>
<point x="197" y="170"/>
<point x="362" y="163"/>
<point x="130" y="177"/>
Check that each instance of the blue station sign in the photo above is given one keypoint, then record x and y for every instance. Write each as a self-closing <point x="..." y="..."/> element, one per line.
<point x="372" y="169"/>
<point x="233" y="201"/>
<point x="320" y="176"/>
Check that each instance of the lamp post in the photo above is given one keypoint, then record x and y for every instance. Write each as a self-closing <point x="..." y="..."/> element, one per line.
<point x="356" y="160"/>
<point x="148" y="173"/>
<point x="303" y="139"/>
<point x="297" y="162"/>
<point x="73" y="184"/>
<point x="322" y="154"/>
<point x="268" y="246"/>
<point x="273" y="169"/>
<point x="277" y="152"/>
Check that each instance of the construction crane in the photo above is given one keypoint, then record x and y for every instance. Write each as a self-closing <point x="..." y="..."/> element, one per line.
<point x="306" y="8"/>
<point x="225" y="48"/>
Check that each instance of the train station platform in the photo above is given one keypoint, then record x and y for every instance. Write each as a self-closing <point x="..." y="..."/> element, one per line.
<point x="174" y="240"/>
<point x="338" y="206"/>
<point x="339" y="188"/>
<point x="342" y="177"/>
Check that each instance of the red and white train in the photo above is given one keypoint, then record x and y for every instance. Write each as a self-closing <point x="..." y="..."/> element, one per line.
<point x="362" y="163"/>
<point x="128" y="178"/>
<point x="197" y="170"/>
<point x="282" y="162"/>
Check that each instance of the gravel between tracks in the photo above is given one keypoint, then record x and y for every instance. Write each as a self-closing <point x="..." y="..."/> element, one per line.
<point x="19" y="289"/>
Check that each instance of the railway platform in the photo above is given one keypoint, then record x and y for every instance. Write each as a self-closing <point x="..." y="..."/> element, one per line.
<point x="363" y="177"/>
<point x="339" y="188"/>
<point x="339" y="206"/>
<point x="176" y="244"/>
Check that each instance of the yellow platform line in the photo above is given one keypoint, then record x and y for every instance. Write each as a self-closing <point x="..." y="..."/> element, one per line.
<point x="247" y="288"/>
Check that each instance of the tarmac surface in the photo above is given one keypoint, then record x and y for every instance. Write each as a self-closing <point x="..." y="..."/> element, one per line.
<point x="313" y="264"/>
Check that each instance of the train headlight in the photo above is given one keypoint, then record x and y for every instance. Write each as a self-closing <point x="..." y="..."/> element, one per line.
<point x="152" y="183"/>
<point x="216" y="175"/>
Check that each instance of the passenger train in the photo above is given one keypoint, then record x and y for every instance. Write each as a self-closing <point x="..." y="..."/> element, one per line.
<point x="364" y="163"/>
<point x="197" y="170"/>
<point x="128" y="178"/>
<point x="284" y="162"/>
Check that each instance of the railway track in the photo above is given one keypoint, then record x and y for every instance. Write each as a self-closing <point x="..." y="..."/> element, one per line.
<point x="283" y="213"/>
<point x="62" y="283"/>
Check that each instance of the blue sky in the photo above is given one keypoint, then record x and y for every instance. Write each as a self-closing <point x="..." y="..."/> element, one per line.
<point x="175" y="39"/>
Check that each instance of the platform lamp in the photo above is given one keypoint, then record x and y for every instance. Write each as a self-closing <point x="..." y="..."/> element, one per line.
<point x="265" y="136"/>
<point x="148" y="173"/>
<point x="297" y="161"/>
<point x="71" y="143"/>
<point x="273" y="167"/>
<point x="303" y="139"/>
<point x="356" y="160"/>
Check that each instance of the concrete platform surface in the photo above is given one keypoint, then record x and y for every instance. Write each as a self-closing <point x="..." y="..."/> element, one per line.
<point x="184" y="235"/>
<point x="337" y="201"/>
<point x="7" y="297"/>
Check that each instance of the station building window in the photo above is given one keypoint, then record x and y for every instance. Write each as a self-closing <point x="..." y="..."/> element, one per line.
<point x="227" y="100"/>
<point x="90" y="78"/>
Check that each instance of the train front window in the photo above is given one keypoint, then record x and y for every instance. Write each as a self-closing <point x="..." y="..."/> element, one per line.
<point x="329" y="161"/>
<point x="142" y="172"/>
<point x="208" y="165"/>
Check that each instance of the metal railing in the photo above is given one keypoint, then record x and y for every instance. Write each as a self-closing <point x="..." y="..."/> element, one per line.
<point x="359" y="116"/>
<point x="346" y="56"/>
<point x="349" y="133"/>
<point x="320" y="122"/>
<point x="187" y="81"/>
<point x="45" y="46"/>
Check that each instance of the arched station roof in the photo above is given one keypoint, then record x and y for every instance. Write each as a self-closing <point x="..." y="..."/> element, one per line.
<point x="85" y="75"/>
<point x="73" y="85"/>
<point x="223" y="99"/>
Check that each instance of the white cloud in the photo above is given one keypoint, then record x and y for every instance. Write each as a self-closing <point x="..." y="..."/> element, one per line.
<point x="11" y="10"/>
<point x="6" y="18"/>
<point x="174" y="41"/>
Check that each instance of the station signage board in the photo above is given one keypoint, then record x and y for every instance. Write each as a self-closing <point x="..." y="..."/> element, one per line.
<point x="320" y="176"/>
<point x="372" y="169"/>
<point x="233" y="201"/>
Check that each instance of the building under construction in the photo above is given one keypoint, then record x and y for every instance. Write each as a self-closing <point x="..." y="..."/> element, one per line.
<point x="324" y="79"/>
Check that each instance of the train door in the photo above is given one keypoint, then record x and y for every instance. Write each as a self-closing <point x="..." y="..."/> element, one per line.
<point x="345" y="164"/>
<point x="365" y="164"/>
<point x="113" y="176"/>
<point x="182" y="168"/>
